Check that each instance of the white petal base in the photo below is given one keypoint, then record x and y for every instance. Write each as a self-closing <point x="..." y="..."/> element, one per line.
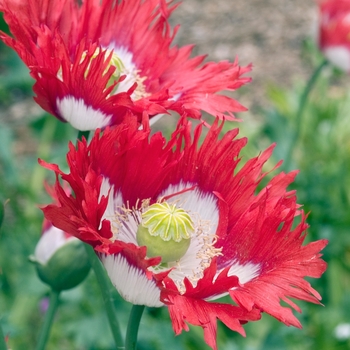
<point x="131" y="283"/>
<point x="132" y="73"/>
<point x="245" y="273"/>
<point x="81" y="116"/>
<point x="49" y="243"/>
<point x="339" y="56"/>
<point x="203" y="209"/>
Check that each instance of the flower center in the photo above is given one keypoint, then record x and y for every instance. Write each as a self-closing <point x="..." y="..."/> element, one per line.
<point x="122" y="61"/>
<point x="166" y="231"/>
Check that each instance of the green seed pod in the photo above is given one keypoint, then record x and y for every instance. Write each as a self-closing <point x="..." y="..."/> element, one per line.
<point x="165" y="231"/>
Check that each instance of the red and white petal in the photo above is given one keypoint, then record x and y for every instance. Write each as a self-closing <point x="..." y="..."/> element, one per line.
<point x="193" y="307"/>
<point x="115" y="200"/>
<point x="131" y="282"/>
<point x="124" y="223"/>
<point x="201" y="313"/>
<point x="81" y="116"/>
<point x="283" y="282"/>
<point x="339" y="56"/>
<point x="334" y="29"/>
<point x="245" y="272"/>
<point x="189" y="197"/>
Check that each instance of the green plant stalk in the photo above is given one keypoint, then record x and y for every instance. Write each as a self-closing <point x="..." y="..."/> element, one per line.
<point x="44" y="150"/>
<point x="2" y="340"/>
<point x="49" y="316"/>
<point x="104" y="282"/>
<point x="301" y="108"/>
<point x="2" y="213"/>
<point x="106" y="290"/>
<point x="133" y="327"/>
<point x="83" y="133"/>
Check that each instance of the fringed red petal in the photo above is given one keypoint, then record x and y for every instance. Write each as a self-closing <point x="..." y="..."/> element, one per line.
<point x="58" y="47"/>
<point x="262" y="261"/>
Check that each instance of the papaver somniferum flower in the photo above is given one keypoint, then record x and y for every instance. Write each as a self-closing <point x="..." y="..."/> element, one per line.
<point x="181" y="225"/>
<point x="334" y="32"/>
<point x="60" y="258"/>
<point x="93" y="62"/>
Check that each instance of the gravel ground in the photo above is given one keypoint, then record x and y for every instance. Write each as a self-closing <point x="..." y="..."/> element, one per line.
<point x="267" y="33"/>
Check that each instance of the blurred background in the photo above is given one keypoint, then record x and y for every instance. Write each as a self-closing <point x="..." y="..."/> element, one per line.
<point x="277" y="36"/>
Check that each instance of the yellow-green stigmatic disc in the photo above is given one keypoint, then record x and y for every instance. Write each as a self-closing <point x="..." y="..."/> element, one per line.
<point x="166" y="231"/>
<point x="115" y="61"/>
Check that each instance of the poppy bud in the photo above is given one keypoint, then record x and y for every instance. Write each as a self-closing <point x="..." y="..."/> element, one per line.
<point x="60" y="259"/>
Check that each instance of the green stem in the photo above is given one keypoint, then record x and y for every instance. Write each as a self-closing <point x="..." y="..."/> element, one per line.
<point x="133" y="327"/>
<point x="49" y="316"/>
<point x="298" y="119"/>
<point x="106" y="290"/>
<point x="3" y="345"/>
<point x="83" y="133"/>
<point x="104" y="283"/>
<point x="44" y="149"/>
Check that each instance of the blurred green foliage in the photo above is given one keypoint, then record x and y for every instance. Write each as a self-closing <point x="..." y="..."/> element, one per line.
<point x="322" y="154"/>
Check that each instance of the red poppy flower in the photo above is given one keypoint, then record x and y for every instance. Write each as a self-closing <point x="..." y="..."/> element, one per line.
<point x="334" y="32"/>
<point x="93" y="62"/>
<point x="179" y="224"/>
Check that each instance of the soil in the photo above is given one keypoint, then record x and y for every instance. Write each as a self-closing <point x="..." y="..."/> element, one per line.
<point x="267" y="33"/>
